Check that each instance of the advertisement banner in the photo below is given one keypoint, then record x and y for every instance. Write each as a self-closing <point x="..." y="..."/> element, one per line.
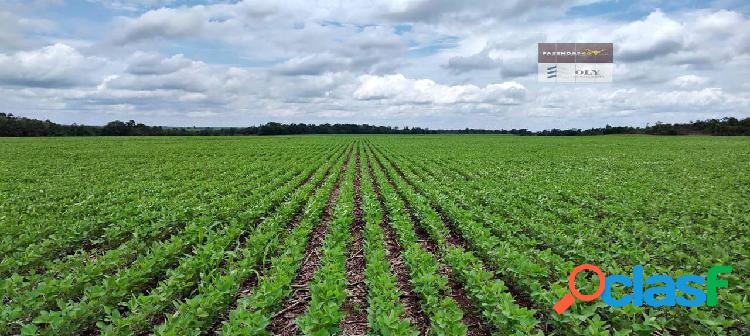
<point x="575" y="62"/>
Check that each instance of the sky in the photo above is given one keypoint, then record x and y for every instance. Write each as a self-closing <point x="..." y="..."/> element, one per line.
<point x="428" y="63"/>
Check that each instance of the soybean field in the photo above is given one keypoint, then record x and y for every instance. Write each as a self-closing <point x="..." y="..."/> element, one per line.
<point x="365" y="235"/>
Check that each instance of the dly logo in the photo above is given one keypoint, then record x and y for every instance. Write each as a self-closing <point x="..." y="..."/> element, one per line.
<point x="655" y="296"/>
<point x="587" y="72"/>
<point x="552" y="71"/>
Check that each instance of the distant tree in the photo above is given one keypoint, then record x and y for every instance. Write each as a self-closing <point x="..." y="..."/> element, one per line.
<point x="11" y="125"/>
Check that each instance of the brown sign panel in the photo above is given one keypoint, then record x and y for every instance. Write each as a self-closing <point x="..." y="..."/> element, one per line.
<point x="576" y="52"/>
<point x="566" y="52"/>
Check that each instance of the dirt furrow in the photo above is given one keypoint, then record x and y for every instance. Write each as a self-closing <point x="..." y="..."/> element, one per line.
<point x="355" y="306"/>
<point x="393" y="250"/>
<point x="250" y="283"/>
<point x="283" y="323"/>
<point x="521" y="298"/>
<point x="472" y="317"/>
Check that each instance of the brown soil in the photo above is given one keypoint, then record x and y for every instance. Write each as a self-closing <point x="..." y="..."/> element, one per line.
<point x="520" y="297"/>
<point x="393" y="250"/>
<point x="250" y="283"/>
<point x="355" y="306"/>
<point x="472" y="317"/>
<point x="283" y="323"/>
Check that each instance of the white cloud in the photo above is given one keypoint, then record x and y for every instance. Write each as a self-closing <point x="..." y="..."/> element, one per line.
<point x="133" y="5"/>
<point x="512" y="59"/>
<point x="180" y="77"/>
<point x="401" y="90"/>
<point x="722" y="23"/>
<point x="142" y="63"/>
<point x="428" y="63"/>
<point x="164" y="23"/>
<point x="314" y="64"/>
<point x="599" y="103"/>
<point x="656" y="35"/>
<point x="714" y="98"/>
<point x="478" y="61"/>
<point x="58" y="65"/>
<point x="215" y="21"/>
<point x="436" y="10"/>
<point x="13" y="29"/>
<point x="690" y="82"/>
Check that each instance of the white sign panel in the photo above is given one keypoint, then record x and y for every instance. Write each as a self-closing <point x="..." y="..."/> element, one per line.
<point x="575" y="72"/>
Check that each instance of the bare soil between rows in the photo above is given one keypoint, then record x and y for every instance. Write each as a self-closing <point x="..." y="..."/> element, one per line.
<point x="520" y="297"/>
<point x="355" y="306"/>
<point x="393" y="250"/>
<point x="247" y="286"/>
<point x="471" y="317"/>
<point x="283" y="323"/>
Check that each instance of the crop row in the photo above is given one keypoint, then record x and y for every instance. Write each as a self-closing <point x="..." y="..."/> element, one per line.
<point x="254" y="312"/>
<point x="366" y="235"/>
<point x="216" y="293"/>
<point x="207" y="232"/>
<point x="210" y="262"/>
<point x="456" y="189"/>
<point x="64" y="278"/>
<point x="563" y="245"/>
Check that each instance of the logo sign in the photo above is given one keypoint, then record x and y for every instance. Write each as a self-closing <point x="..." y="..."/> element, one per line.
<point x="687" y="290"/>
<point x="575" y="62"/>
<point x="552" y="71"/>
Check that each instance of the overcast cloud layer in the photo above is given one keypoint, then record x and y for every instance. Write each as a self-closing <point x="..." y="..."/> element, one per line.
<point x="429" y="63"/>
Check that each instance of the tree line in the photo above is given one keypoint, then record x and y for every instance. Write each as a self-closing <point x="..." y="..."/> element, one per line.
<point x="14" y="126"/>
<point x="723" y="126"/>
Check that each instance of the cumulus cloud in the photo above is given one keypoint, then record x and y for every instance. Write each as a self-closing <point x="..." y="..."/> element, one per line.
<point x="313" y="65"/>
<point x="230" y="63"/>
<point x="712" y="38"/>
<point x="714" y="98"/>
<point x="593" y="102"/>
<point x="689" y="82"/>
<point x="703" y="38"/>
<point x="436" y="10"/>
<point x="164" y="23"/>
<point x="10" y="35"/>
<point x="656" y="35"/>
<point x="13" y="28"/>
<point x="218" y="20"/>
<point x="478" y="61"/>
<point x="398" y="89"/>
<point x="142" y="63"/>
<point x="58" y="65"/>
<point x="191" y="80"/>
<point x="313" y="88"/>
<point x="512" y="60"/>
<point x="135" y="5"/>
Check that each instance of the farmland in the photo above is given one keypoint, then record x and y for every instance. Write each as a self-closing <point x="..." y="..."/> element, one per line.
<point x="354" y="235"/>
